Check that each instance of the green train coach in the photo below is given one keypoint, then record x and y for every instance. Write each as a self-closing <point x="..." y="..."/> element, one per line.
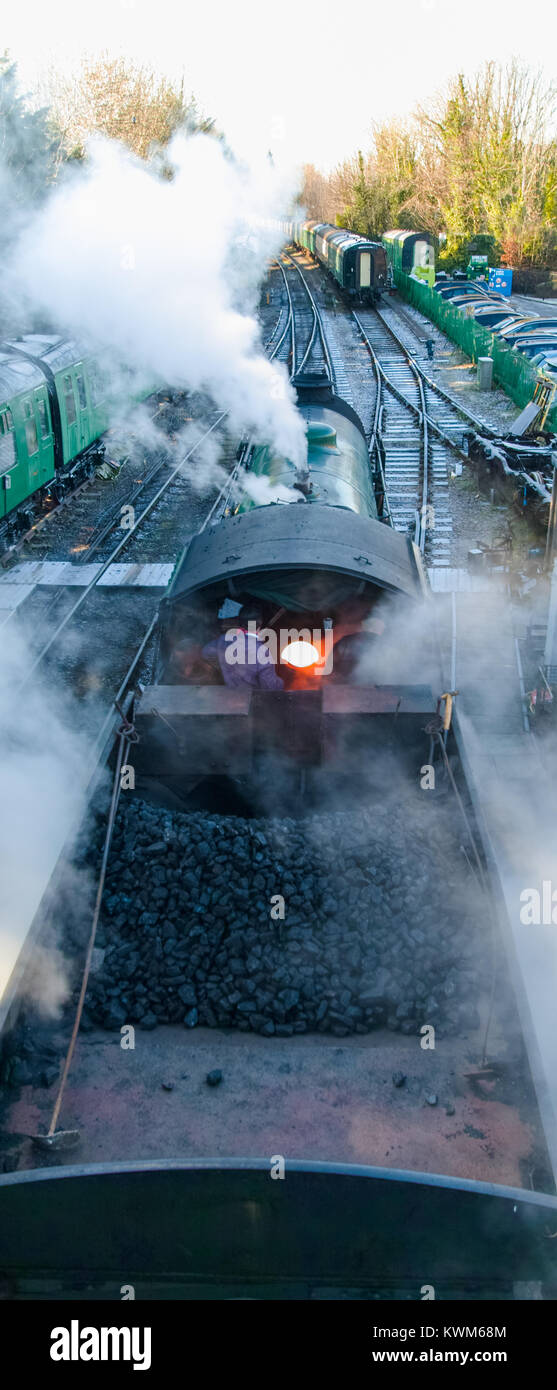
<point x="55" y="400"/>
<point x="358" y="265"/>
<point x="412" y="253"/>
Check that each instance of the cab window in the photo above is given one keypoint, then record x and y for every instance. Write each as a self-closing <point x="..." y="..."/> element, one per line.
<point x="81" y="393"/>
<point x="69" y="400"/>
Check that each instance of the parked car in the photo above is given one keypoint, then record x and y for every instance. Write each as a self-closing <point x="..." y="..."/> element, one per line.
<point x="515" y="324"/>
<point x="472" y="302"/>
<point x="463" y="288"/>
<point x="528" y="326"/>
<point x="530" y="347"/>
<point x="546" y="361"/>
<point x="492" y="315"/>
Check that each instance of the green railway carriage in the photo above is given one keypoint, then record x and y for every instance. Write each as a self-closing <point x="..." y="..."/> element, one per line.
<point x="26" y="435"/>
<point x="304" y="234"/>
<point x="358" y="265"/>
<point x="55" y="399"/>
<point x="412" y="253"/>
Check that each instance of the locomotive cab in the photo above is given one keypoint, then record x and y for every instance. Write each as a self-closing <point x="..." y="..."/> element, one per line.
<point x="333" y="593"/>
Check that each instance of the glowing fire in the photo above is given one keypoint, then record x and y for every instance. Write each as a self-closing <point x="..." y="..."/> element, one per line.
<point x="300" y="654"/>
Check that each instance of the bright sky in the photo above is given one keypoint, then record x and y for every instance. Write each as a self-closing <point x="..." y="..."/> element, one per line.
<point x="303" y="80"/>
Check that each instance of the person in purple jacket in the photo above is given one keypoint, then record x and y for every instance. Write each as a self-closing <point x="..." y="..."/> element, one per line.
<point x="241" y="654"/>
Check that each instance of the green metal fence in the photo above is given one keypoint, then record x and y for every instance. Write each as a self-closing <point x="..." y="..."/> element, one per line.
<point x="510" y="369"/>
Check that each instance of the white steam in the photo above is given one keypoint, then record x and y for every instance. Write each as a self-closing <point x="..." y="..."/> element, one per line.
<point x="44" y="760"/>
<point x="47" y="983"/>
<point x="166" y="271"/>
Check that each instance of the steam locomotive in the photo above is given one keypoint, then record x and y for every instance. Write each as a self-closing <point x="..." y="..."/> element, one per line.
<point x="317" y="564"/>
<point x="307" y="545"/>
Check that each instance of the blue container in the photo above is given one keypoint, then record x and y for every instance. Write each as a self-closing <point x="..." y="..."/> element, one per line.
<point x="500" y="280"/>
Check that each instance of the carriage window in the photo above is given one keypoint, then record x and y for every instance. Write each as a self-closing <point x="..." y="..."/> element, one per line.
<point x="365" y="269"/>
<point x="81" y="393"/>
<point x="96" y="383"/>
<point x="69" y="400"/>
<point x="7" y="445"/>
<point x="44" y="421"/>
<point x="31" y="436"/>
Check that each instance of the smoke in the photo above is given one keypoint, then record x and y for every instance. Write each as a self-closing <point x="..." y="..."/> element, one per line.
<point x="514" y="785"/>
<point x="47" y="982"/>
<point x="165" y="272"/>
<point x="44" y="758"/>
<point x="262" y="491"/>
<point x="400" y="647"/>
<point x="200" y="459"/>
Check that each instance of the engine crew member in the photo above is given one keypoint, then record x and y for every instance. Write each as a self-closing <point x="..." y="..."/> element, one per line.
<point x="241" y="654"/>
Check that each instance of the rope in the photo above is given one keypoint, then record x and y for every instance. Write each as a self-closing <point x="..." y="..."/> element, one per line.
<point x="485" y="887"/>
<point x="126" y="733"/>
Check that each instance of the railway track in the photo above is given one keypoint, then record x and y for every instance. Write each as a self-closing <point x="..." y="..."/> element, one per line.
<point x="95" y="666"/>
<point x="416" y="436"/>
<point x="81" y="500"/>
<point x="445" y="414"/>
<point x="92" y="587"/>
<point x="416" y="428"/>
<point x="303" y="342"/>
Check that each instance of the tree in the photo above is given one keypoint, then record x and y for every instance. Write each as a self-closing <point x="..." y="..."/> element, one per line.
<point x="316" y="196"/>
<point x="27" y="146"/>
<point x="371" y="192"/>
<point x="488" y="165"/>
<point x="112" y="97"/>
<point x="477" y="164"/>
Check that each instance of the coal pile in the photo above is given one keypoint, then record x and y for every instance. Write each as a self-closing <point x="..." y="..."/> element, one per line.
<point x="29" y="1055"/>
<point x="372" y="934"/>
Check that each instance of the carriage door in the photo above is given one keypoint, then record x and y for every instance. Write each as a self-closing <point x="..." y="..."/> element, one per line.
<point x="84" y="424"/>
<point x="365" y="270"/>
<point x="44" y="434"/>
<point x="31" y="443"/>
<point x="72" y="428"/>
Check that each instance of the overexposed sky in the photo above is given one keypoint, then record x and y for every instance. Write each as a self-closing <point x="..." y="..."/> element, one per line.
<point x="305" y="80"/>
